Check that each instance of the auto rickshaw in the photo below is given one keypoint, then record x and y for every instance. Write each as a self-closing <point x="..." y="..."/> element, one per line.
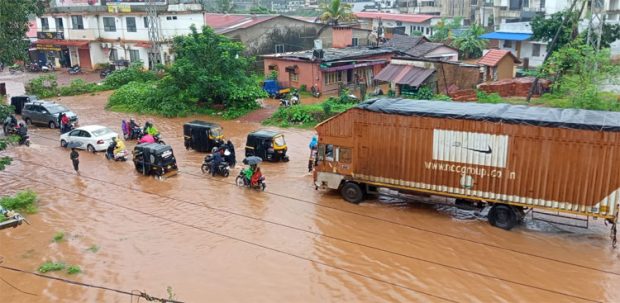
<point x="155" y="159"/>
<point x="266" y="144"/>
<point x="202" y="136"/>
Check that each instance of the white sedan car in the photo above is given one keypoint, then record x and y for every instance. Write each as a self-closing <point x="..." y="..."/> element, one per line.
<point x="92" y="138"/>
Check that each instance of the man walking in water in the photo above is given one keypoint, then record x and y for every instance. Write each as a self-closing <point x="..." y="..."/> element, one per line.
<point x="75" y="158"/>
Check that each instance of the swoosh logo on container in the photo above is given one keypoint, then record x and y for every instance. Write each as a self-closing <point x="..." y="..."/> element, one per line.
<point x="487" y="151"/>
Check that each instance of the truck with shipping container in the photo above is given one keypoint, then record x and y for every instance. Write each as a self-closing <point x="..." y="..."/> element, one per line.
<point x="506" y="158"/>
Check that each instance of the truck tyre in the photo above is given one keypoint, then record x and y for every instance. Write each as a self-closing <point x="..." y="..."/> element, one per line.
<point x="502" y="216"/>
<point x="352" y="192"/>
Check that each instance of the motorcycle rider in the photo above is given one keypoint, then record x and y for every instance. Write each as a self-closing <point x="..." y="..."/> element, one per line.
<point x="119" y="148"/>
<point x="146" y="138"/>
<point x="22" y="132"/>
<point x="255" y="177"/>
<point x="150" y="129"/>
<point x="9" y="123"/>
<point x="216" y="160"/>
<point x="133" y="128"/>
<point x="111" y="148"/>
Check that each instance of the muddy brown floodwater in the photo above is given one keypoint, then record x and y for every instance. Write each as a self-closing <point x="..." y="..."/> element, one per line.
<point x="213" y="242"/>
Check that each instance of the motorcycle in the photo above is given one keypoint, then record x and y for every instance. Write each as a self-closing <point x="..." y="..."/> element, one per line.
<point x="105" y="72"/>
<point x="48" y="67"/>
<point x="315" y="91"/>
<point x="15" y="68"/>
<point x="158" y="139"/>
<point x="241" y="180"/>
<point x="76" y="69"/>
<point x="223" y="168"/>
<point x="25" y="140"/>
<point x="33" y="67"/>
<point x="120" y="156"/>
<point x="293" y="100"/>
<point x="133" y="134"/>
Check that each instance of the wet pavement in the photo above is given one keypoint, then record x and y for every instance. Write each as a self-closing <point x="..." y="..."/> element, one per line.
<point x="210" y="241"/>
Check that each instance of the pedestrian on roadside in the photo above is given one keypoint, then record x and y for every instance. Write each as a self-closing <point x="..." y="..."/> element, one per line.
<point x="75" y="158"/>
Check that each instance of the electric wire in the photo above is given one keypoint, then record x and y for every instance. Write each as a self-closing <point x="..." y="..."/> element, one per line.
<point x="452" y="267"/>
<point x="240" y="240"/>
<point x="414" y="227"/>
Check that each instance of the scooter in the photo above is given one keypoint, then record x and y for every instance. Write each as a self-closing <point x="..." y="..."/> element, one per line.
<point x="242" y="181"/>
<point x="25" y="140"/>
<point x="315" y="91"/>
<point x="120" y="156"/>
<point x="293" y="100"/>
<point x="223" y="168"/>
<point x="48" y="67"/>
<point x="76" y="69"/>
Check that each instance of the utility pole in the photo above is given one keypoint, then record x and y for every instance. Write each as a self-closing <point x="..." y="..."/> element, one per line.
<point x="595" y="26"/>
<point x="551" y="46"/>
<point x="154" y="34"/>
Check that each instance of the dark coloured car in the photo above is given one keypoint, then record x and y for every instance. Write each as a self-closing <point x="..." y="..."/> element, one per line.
<point x="46" y="113"/>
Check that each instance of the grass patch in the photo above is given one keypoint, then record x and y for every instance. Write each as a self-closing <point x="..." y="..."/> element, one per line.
<point x="24" y="201"/>
<point x="307" y="115"/>
<point x="93" y="248"/>
<point x="51" y="266"/>
<point x="59" y="236"/>
<point x="74" y="269"/>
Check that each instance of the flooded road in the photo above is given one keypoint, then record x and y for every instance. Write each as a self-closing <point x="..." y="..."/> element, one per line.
<point x="210" y="241"/>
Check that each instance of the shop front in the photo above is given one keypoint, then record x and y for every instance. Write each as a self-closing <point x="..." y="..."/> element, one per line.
<point x="62" y="53"/>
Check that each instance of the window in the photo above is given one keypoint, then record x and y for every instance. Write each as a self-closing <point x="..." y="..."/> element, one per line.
<point x="428" y="31"/>
<point x="113" y="55"/>
<point x="59" y="25"/>
<point x="134" y="55"/>
<point x="508" y="43"/>
<point x="146" y="22"/>
<point x="542" y="3"/>
<point x="333" y="78"/>
<point x="345" y="155"/>
<point x="44" y="25"/>
<point x="171" y="18"/>
<point x="321" y="152"/>
<point x="535" y="50"/>
<point x="294" y="77"/>
<point x="279" y="48"/>
<point x="355" y="41"/>
<point x="131" y="24"/>
<point x="109" y="24"/>
<point x="329" y="152"/>
<point x="77" y="22"/>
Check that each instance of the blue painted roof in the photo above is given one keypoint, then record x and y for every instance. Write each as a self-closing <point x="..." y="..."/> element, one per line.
<point x="506" y="36"/>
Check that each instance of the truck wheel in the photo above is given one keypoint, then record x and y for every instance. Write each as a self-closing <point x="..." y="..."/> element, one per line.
<point x="502" y="216"/>
<point x="352" y="192"/>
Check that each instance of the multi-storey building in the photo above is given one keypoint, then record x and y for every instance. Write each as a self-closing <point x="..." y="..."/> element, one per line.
<point x="91" y="32"/>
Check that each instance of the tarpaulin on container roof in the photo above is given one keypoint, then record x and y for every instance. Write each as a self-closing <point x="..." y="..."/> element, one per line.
<point x="504" y="113"/>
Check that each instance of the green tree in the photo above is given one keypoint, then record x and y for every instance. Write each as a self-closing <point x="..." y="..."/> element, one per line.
<point x="442" y="31"/>
<point x="5" y="111"/>
<point x="14" y="25"/>
<point x="469" y="43"/>
<point x="335" y="11"/>
<point x="544" y="29"/>
<point x="212" y="68"/>
<point x="260" y="10"/>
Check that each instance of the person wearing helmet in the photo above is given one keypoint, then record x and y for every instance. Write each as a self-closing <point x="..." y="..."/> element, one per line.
<point x="111" y="148"/>
<point x="134" y="128"/>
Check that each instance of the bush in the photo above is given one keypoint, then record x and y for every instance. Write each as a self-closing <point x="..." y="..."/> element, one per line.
<point x="303" y="88"/>
<point x="307" y="115"/>
<point x="79" y="87"/>
<point x="43" y="86"/>
<point x="134" y="72"/>
<point x="24" y="201"/>
<point x="51" y="266"/>
<point x="74" y="269"/>
<point x="488" y="98"/>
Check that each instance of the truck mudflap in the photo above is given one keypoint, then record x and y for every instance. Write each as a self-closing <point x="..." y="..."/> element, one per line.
<point x="324" y="180"/>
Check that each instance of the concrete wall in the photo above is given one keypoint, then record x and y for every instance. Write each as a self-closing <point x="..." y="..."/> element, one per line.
<point x="293" y="34"/>
<point x="342" y="37"/>
<point x="444" y="52"/>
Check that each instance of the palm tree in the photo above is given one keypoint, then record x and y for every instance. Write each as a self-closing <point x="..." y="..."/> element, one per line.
<point x="470" y="43"/>
<point x="335" y="11"/>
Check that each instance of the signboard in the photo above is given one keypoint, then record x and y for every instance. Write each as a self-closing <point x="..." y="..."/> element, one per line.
<point x="45" y="47"/>
<point x="119" y="8"/>
<point x="51" y="35"/>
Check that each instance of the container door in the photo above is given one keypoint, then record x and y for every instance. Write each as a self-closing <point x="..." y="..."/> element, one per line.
<point x="362" y="150"/>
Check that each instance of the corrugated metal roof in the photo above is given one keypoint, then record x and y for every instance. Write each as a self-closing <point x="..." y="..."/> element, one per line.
<point x="492" y="57"/>
<point x="506" y="36"/>
<point x="424" y="48"/>
<point x="404" y="43"/>
<point x="404" y="74"/>
<point x="395" y="17"/>
<point x="334" y="54"/>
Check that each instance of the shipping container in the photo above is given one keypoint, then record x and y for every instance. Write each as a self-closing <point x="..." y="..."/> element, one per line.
<point x="507" y="157"/>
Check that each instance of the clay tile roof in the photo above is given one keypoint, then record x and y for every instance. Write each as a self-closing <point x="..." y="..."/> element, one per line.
<point x="492" y="57"/>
